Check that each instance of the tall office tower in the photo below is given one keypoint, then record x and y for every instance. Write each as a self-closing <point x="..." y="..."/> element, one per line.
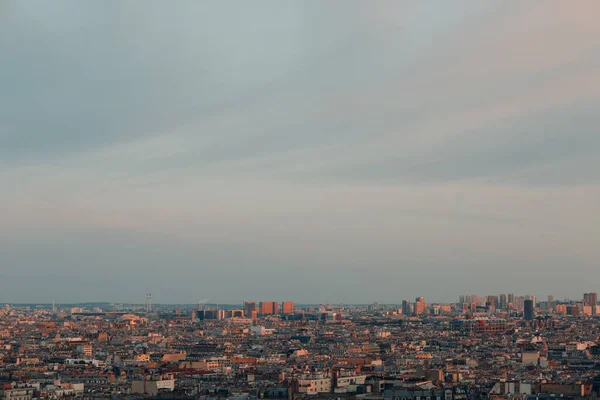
<point x="503" y="302"/>
<point x="287" y="307"/>
<point x="148" y="302"/>
<point x="406" y="307"/>
<point x="591" y="299"/>
<point x="519" y="302"/>
<point x="528" y="310"/>
<point x="266" y="308"/>
<point x="550" y="300"/>
<point x="594" y="302"/>
<point x="461" y="299"/>
<point x="511" y="298"/>
<point x="492" y="300"/>
<point x="482" y="300"/>
<point x="249" y="308"/>
<point x="419" y="306"/>
<point x="269" y="307"/>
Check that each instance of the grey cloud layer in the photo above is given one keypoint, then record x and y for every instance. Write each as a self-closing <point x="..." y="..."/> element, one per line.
<point x="205" y="140"/>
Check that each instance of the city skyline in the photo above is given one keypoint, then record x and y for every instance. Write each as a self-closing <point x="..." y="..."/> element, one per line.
<point x="298" y="150"/>
<point x="590" y="297"/>
<point x="468" y="307"/>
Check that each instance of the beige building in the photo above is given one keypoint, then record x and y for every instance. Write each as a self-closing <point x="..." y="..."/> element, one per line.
<point x="152" y="386"/>
<point x="314" y="385"/>
<point x="85" y="349"/>
<point x="15" y="393"/>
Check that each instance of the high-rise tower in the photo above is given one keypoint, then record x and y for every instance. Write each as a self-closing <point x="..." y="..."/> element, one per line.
<point x="148" y="302"/>
<point x="528" y="310"/>
<point x="419" y="306"/>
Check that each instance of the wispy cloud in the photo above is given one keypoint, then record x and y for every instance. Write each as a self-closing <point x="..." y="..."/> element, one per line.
<point x="400" y="140"/>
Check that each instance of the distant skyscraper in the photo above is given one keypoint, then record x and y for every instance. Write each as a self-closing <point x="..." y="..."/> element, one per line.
<point x="266" y="307"/>
<point x="269" y="307"/>
<point x="528" y="310"/>
<point x="406" y="307"/>
<point x="550" y="300"/>
<point x="591" y="299"/>
<point x="420" y="306"/>
<point x="532" y="298"/>
<point x="249" y="308"/>
<point x="511" y="298"/>
<point x="503" y="302"/>
<point x="491" y="302"/>
<point x="287" y="307"/>
<point x="519" y="303"/>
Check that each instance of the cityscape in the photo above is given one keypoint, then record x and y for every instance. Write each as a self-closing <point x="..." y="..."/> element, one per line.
<point x="300" y="200"/>
<point x="496" y="347"/>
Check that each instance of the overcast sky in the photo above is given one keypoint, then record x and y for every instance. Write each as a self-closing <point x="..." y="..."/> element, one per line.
<point x="309" y="151"/>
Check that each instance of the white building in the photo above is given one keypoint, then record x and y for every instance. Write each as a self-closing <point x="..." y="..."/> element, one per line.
<point x="314" y="385"/>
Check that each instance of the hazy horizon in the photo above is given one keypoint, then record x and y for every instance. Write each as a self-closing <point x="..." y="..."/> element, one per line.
<point x="347" y="152"/>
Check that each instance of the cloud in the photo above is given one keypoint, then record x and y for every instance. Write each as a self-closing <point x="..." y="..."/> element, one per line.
<point x="410" y="147"/>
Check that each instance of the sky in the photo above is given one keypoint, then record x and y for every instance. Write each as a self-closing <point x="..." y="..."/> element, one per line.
<point x="343" y="151"/>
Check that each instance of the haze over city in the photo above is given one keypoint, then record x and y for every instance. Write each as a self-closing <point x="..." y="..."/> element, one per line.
<point x="298" y="151"/>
